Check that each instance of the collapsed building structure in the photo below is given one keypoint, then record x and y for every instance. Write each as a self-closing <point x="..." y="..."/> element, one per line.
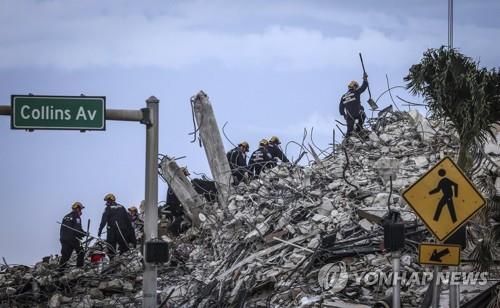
<point x="273" y="241"/>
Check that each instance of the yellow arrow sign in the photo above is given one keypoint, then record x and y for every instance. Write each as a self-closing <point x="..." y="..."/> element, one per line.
<point x="439" y="254"/>
<point x="444" y="198"/>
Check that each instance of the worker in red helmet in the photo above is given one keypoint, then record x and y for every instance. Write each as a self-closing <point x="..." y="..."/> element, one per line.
<point x="70" y="235"/>
<point x="350" y="106"/>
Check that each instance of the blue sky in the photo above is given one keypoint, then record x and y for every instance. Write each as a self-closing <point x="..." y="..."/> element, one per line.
<point x="269" y="68"/>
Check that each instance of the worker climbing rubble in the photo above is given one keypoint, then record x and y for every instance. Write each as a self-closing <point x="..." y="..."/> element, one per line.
<point x="261" y="159"/>
<point x="70" y="234"/>
<point x="237" y="158"/>
<point x="350" y="106"/>
<point x="119" y="226"/>
<point x="275" y="150"/>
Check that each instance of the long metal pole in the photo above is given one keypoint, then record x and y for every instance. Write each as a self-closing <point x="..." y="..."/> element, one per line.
<point x="149" y="283"/>
<point x="450" y="23"/>
<point x="435" y="288"/>
<point x="396" y="297"/>
<point x="149" y="286"/>
<point x="454" y="290"/>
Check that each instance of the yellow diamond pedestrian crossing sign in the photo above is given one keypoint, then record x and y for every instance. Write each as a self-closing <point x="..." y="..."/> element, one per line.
<point x="444" y="198"/>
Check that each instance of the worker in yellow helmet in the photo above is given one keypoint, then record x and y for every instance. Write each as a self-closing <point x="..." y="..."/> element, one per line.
<point x="237" y="158"/>
<point x="137" y="222"/>
<point x="275" y="149"/>
<point x="119" y="227"/>
<point x="260" y="159"/>
<point x="70" y="234"/>
<point x="350" y="106"/>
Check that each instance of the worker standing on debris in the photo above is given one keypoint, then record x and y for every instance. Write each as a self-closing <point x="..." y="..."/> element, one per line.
<point x="350" y="106"/>
<point x="137" y="222"/>
<point x="237" y="158"/>
<point x="119" y="226"/>
<point x="261" y="159"/>
<point x="275" y="149"/>
<point x="174" y="210"/>
<point x="70" y="234"/>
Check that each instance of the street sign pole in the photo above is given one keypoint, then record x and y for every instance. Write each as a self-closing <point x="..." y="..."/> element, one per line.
<point x="435" y="287"/>
<point x="396" y="301"/>
<point x="148" y="116"/>
<point x="438" y="254"/>
<point x="149" y="283"/>
<point x="454" y="290"/>
<point x="444" y="185"/>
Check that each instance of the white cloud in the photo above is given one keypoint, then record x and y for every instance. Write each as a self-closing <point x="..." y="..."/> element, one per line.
<point x="76" y="34"/>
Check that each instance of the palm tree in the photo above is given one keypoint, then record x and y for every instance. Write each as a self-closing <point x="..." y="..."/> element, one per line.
<point x="456" y="88"/>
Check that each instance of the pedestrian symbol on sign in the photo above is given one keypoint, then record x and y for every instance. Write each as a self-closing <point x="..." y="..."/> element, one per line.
<point x="444" y="188"/>
<point x="448" y="188"/>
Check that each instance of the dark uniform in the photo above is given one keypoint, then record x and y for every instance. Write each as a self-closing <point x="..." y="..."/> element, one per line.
<point x="260" y="160"/>
<point x="114" y="216"/>
<point x="175" y="212"/>
<point x="276" y="152"/>
<point x="238" y="163"/>
<point x="350" y="107"/>
<point x="70" y="239"/>
<point x="137" y="222"/>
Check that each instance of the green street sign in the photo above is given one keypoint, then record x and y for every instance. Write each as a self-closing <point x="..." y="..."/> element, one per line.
<point x="58" y="112"/>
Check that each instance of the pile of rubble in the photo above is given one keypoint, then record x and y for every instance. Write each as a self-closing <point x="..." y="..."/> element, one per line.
<point x="94" y="285"/>
<point x="280" y="236"/>
<point x="283" y="228"/>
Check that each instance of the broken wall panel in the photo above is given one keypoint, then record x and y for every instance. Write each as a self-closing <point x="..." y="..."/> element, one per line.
<point x="190" y="200"/>
<point x="214" y="148"/>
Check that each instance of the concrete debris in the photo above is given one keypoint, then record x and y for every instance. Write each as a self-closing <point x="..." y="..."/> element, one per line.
<point x="276" y="235"/>
<point x="423" y="126"/>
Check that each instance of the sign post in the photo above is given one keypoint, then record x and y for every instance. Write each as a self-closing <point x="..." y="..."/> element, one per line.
<point x="444" y="199"/>
<point x="58" y="112"/>
<point x="396" y="267"/>
<point x="149" y="283"/>
<point x="89" y="113"/>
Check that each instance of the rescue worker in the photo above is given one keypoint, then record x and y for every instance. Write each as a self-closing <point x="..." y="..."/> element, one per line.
<point x="260" y="159"/>
<point x="136" y="221"/>
<point x="237" y="158"/>
<point x="119" y="227"/>
<point x="275" y="150"/>
<point x="70" y="234"/>
<point x="350" y="106"/>
<point x="174" y="210"/>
